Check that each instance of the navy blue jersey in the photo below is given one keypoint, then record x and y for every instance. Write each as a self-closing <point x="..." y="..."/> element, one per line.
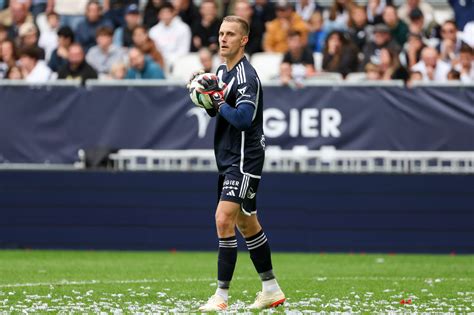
<point x="243" y="149"/>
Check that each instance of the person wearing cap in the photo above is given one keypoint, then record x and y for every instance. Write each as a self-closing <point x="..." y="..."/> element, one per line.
<point x="123" y="34"/>
<point x="286" y="21"/>
<point x="417" y="25"/>
<point x="398" y="28"/>
<point x="382" y="39"/>
<point x="115" y="10"/>
<point x="60" y="54"/>
<point x="28" y="37"/>
<point x="33" y="69"/>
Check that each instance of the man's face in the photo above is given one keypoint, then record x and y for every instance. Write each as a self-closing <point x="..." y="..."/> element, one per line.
<point x="132" y="20"/>
<point x="27" y="63"/>
<point x="230" y="39"/>
<point x="381" y="38"/>
<point x="466" y="59"/>
<point x="137" y="60"/>
<point x="166" y="16"/>
<point x="390" y="16"/>
<point x="243" y="9"/>
<point x="76" y="55"/>
<point x="93" y="12"/>
<point x="429" y="56"/>
<point x="294" y="43"/>
<point x="104" y="41"/>
<point x="208" y="11"/>
<point x="19" y="12"/>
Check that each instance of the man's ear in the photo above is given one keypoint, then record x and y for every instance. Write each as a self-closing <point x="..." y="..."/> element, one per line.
<point x="244" y="41"/>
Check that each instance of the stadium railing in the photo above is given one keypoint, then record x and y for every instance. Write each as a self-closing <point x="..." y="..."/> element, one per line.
<point x="301" y="160"/>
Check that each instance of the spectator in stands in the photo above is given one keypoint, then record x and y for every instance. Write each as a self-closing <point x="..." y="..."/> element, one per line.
<point x="205" y="32"/>
<point x="431" y="67"/>
<point x="48" y="39"/>
<point x="150" y="16"/>
<point x="417" y="25"/>
<point x="339" y="15"/>
<point x="14" y="73"/>
<point x="317" y="32"/>
<point x="59" y="56"/>
<point x="286" y="77"/>
<point x="77" y="68"/>
<point x="412" y="50"/>
<point x="187" y="10"/>
<point x="86" y="30"/>
<point x="450" y="44"/>
<point x="415" y="76"/>
<point x="454" y="75"/>
<point x="3" y="33"/>
<point x="463" y="12"/>
<point x="37" y="7"/>
<point x="102" y="56"/>
<point x="17" y="15"/>
<point x="276" y="36"/>
<point x="264" y="11"/>
<point x="372" y="72"/>
<point x="465" y="64"/>
<point x="299" y="57"/>
<point x="142" y="67"/>
<point x="28" y="37"/>
<point x="225" y="7"/>
<point x="171" y="35"/>
<point x="409" y="5"/>
<point x="374" y="11"/>
<point x="398" y="28"/>
<point x="243" y="9"/>
<point x="359" y="30"/>
<point x="142" y="41"/>
<point x="71" y="12"/>
<point x="306" y="8"/>
<point x="33" y="69"/>
<point x="9" y="54"/>
<point x="390" y="66"/>
<point x="115" y="11"/>
<point x="118" y="71"/>
<point x="340" y="54"/>
<point x="206" y="59"/>
<point x="382" y="38"/>
<point x="123" y="34"/>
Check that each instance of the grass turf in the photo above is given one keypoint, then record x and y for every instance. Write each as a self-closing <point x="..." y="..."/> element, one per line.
<point x="129" y="282"/>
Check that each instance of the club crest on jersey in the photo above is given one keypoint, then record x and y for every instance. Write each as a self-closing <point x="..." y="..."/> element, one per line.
<point x="250" y="193"/>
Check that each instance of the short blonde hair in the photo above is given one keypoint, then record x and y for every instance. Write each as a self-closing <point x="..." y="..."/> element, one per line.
<point x="244" y="26"/>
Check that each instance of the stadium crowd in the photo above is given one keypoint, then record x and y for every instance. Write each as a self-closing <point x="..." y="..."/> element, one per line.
<point x="42" y="40"/>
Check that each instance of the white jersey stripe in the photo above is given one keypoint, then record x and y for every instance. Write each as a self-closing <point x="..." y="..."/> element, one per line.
<point x="242" y="157"/>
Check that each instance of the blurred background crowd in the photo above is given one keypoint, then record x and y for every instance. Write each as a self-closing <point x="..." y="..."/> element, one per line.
<point x="290" y="41"/>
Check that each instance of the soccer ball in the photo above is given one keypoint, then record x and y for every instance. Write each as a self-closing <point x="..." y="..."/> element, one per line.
<point x="199" y="98"/>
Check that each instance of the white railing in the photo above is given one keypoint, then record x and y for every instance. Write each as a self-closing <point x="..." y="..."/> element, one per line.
<point x="305" y="161"/>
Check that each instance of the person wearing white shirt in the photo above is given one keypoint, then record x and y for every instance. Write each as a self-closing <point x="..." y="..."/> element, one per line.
<point x="465" y="65"/>
<point x="48" y="39"/>
<point x="33" y="69"/>
<point x="305" y="8"/>
<point x="171" y="35"/>
<point x="105" y="54"/>
<point x="431" y="67"/>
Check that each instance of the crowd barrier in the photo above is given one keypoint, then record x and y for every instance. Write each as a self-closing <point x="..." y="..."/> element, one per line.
<point x="50" y="123"/>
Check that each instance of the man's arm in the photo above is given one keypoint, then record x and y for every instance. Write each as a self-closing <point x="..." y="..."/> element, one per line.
<point x="240" y="117"/>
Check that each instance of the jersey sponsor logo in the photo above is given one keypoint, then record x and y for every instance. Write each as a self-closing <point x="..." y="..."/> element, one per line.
<point x="231" y="182"/>
<point x="203" y="120"/>
<point x="250" y="193"/>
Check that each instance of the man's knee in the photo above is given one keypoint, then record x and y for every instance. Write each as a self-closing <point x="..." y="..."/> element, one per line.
<point x="224" y="222"/>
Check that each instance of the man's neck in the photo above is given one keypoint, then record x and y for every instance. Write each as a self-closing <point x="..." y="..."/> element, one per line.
<point x="232" y="62"/>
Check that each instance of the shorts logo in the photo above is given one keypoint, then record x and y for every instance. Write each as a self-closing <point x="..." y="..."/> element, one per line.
<point x="262" y="141"/>
<point x="231" y="193"/>
<point x="250" y="193"/>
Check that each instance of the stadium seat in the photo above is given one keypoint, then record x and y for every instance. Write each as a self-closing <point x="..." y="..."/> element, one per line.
<point x="356" y="77"/>
<point x="185" y="66"/>
<point x="318" y="61"/>
<point x="267" y="65"/>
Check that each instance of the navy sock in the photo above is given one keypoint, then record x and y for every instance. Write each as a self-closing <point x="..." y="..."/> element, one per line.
<point x="260" y="254"/>
<point x="227" y="258"/>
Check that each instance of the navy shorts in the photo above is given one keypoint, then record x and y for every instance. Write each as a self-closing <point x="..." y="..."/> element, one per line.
<point x="239" y="188"/>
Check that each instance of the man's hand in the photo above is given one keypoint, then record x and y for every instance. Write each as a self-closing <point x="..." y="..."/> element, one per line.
<point x="217" y="99"/>
<point x="211" y="83"/>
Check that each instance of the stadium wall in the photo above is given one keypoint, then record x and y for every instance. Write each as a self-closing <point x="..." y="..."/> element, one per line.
<point x="49" y="124"/>
<point x="301" y="212"/>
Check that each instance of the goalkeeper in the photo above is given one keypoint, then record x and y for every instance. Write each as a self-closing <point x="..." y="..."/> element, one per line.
<point x="239" y="144"/>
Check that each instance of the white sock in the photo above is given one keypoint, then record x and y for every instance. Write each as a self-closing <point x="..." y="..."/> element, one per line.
<point x="270" y="285"/>
<point x="224" y="293"/>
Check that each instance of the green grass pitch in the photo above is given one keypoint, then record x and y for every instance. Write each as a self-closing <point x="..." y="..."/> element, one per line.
<point x="154" y="282"/>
